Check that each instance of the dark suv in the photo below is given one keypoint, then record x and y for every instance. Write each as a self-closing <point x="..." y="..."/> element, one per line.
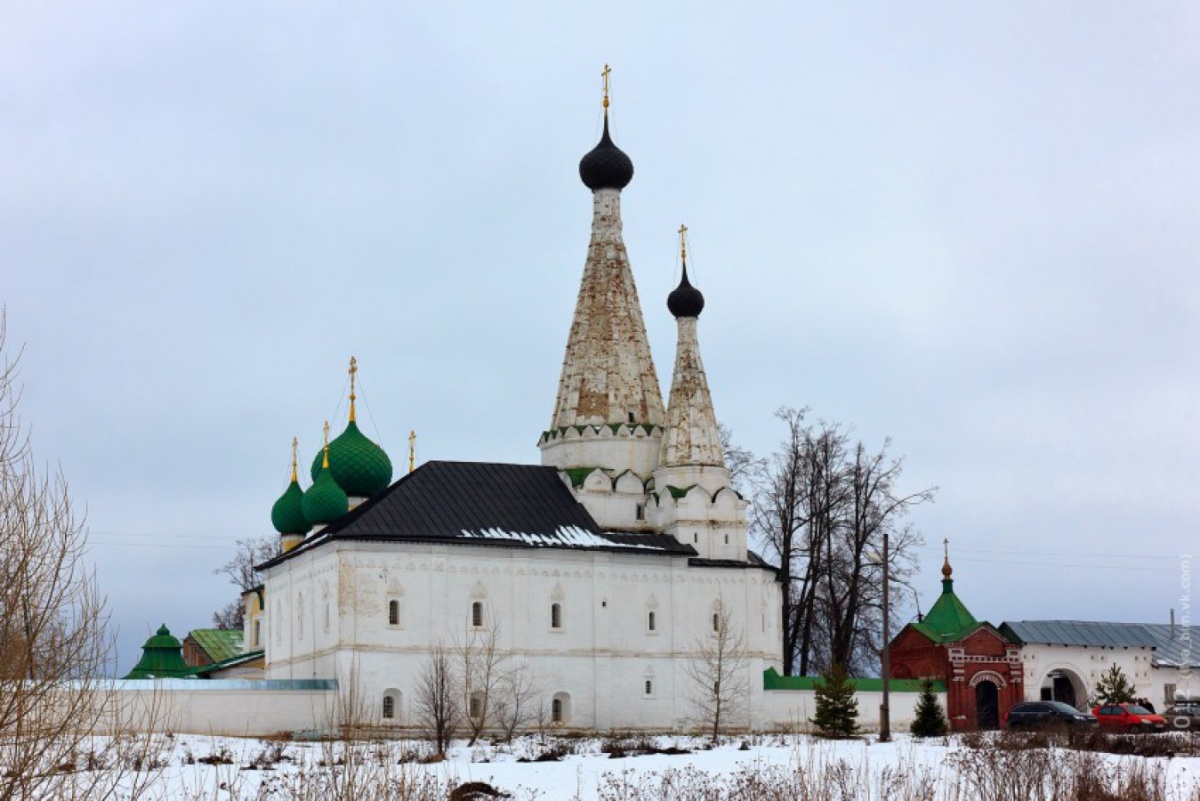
<point x="1047" y="714"/>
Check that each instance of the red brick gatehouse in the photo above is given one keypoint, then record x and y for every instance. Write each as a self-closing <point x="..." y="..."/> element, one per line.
<point x="980" y="666"/>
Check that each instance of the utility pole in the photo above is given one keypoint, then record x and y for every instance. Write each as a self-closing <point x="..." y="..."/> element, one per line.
<point x="885" y="723"/>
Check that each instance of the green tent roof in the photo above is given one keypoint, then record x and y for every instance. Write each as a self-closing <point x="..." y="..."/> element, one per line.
<point x="949" y="620"/>
<point x="162" y="658"/>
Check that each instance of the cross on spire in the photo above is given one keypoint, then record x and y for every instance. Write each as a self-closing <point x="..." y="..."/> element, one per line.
<point x="683" y="244"/>
<point x="295" y="446"/>
<point x="353" y="370"/>
<point x="412" y="449"/>
<point x="604" y="75"/>
<point x="325" y="461"/>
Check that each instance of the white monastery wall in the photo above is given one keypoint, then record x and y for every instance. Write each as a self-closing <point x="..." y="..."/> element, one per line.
<point x="790" y="710"/>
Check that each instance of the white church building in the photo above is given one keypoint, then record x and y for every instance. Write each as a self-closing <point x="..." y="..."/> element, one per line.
<point x="602" y="570"/>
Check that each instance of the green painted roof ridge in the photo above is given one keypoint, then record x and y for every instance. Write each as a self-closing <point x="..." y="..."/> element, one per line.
<point x="773" y="681"/>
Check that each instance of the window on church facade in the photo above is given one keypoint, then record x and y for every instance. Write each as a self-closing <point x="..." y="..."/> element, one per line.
<point x="477" y="614"/>
<point x="475" y="706"/>
<point x="650" y="621"/>
<point x="556" y="616"/>
<point x="389" y="707"/>
<point x="649" y="687"/>
<point x="557" y="714"/>
<point x="393" y="613"/>
<point x="256" y="638"/>
<point x="716" y="621"/>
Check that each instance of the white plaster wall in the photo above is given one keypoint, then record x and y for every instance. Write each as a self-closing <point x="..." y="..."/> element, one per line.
<point x="1089" y="664"/>
<point x="234" y="708"/>
<point x="791" y="709"/>
<point x="601" y="656"/>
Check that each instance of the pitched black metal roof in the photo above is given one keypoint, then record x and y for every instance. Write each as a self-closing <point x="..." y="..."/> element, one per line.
<point x="467" y="503"/>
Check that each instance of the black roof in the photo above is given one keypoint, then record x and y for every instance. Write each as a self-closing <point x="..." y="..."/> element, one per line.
<point x="466" y="503"/>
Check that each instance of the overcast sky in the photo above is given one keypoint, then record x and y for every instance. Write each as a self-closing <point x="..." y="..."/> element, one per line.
<point x="974" y="230"/>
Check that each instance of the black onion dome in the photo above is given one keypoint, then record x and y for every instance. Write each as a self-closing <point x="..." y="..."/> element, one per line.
<point x="606" y="166"/>
<point x="685" y="300"/>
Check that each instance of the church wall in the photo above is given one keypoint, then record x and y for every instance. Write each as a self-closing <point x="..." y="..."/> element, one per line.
<point x="601" y="653"/>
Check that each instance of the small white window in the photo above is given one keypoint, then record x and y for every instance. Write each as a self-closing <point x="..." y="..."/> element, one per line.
<point x="556" y="711"/>
<point x="650" y="621"/>
<point x="649" y="687"/>
<point x="477" y="614"/>
<point x="556" y="616"/>
<point x="393" y="613"/>
<point x="640" y="513"/>
<point x="695" y="537"/>
<point x="716" y="621"/>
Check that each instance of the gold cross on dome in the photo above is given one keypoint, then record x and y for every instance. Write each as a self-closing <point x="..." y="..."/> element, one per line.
<point x="604" y="75"/>
<point x="353" y="370"/>
<point x="295" y="447"/>
<point x="683" y="243"/>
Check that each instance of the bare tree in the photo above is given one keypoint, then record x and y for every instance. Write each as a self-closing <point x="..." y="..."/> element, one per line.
<point x="438" y="697"/>
<point x="822" y="505"/>
<point x="240" y="570"/>
<point x="482" y="669"/>
<point x="717" y="670"/>
<point x="517" y="703"/>
<point x="54" y="647"/>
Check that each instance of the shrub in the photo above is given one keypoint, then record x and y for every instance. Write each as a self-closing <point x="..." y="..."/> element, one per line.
<point x="929" y="720"/>
<point x="837" y="708"/>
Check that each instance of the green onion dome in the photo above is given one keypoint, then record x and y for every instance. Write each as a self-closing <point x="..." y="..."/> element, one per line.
<point x="359" y="466"/>
<point x="324" y="501"/>
<point x="287" y="515"/>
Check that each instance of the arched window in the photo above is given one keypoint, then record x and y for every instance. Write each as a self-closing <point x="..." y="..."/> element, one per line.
<point x="726" y="539"/>
<point x="393" y="613"/>
<point x="257" y="639"/>
<point x="556" y="616"/>
<point x="556" y="711"/>
<point x="391" y="704"/>
<point x="477" y="614"/>
<point x="650" y="620"/>
<point x="649" y="686"/>
<point x="716" y="621"/>
<point x="475" y="706"/>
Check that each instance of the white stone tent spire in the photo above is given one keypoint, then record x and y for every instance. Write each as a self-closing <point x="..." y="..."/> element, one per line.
<point x="694" y="500"/>
<point x="691" y="436"/>
<point x="609" y="410"/>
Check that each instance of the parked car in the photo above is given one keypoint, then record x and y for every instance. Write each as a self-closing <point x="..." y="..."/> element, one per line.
<point x="1183" y="716"/>
<point x="1129" y="718"/>
<point x="1047" y="714"/>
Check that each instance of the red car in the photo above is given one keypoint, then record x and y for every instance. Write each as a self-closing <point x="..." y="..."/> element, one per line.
<point x="1128" y="718"/>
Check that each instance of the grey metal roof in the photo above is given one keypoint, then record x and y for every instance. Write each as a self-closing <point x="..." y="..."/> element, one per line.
<point x="1173" y="646"/>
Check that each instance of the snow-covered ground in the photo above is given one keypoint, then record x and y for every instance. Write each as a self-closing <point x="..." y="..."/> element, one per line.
<point x="775" y="767"/>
